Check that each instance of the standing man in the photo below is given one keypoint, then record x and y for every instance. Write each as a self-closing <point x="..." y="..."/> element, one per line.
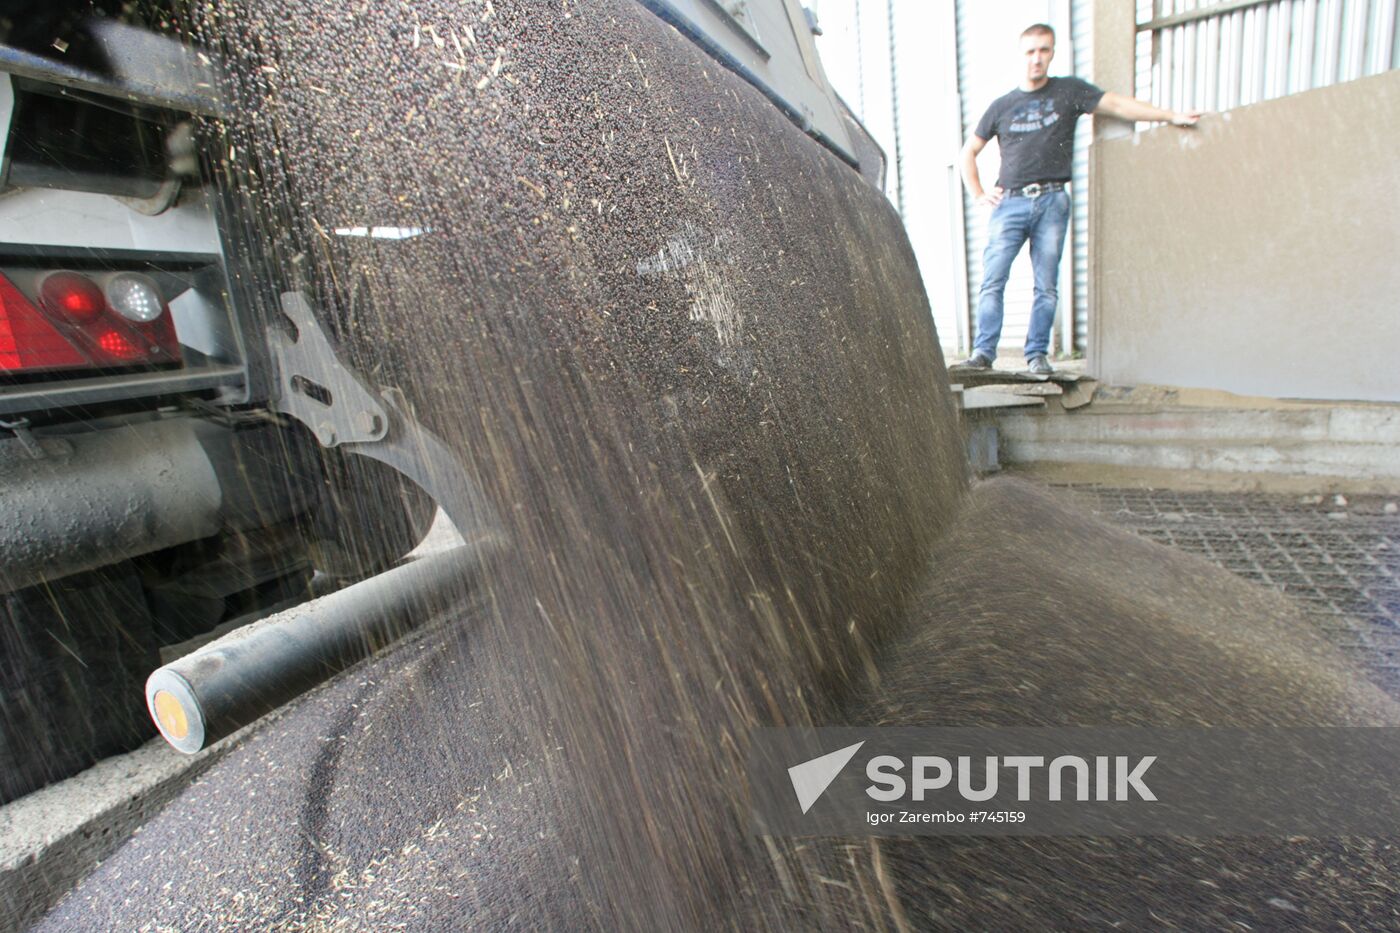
<point x="1034" y="126"/>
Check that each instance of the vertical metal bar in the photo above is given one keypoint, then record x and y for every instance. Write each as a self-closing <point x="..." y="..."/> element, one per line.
<point x="1179" y="62"/>
<point x="1227" y="62"/>
<point x="1142" y="71"/>
<point x="1297" y="45"/>
<point x="1344" y="42"/>
<point x="1208" y="47"/>
<point x="1178" y="50"/>
<point x="1264" y="21"/>
<point x="1375" y="30"/>
<point x="961" y="231"/>
<point x="1222" y="70"/>
<point x="1211" y="99"/>
<point x="1365" y="22"/>
<point x="1167" y="78"/>
<point x="1249" y="68"/>
<point x="1286" y="30"/>
<point x="1259" y="63"/>
<point x="1278" y="57"/>
<point x="1269" y="61"/>
<point x="1319" y="49"/>
<point x="1142" y="49"/>
<point x="1159" y="68"/>
<point x="1154" y="77"/>
<point x="1249" y="51"/>
<point x="1293" y="12"/>
<point x="1307" y="46"/>
<point x="1347" y="46"/>
<point x="1367" y="14"/>
<point x="1332" y="44"/>
<point x="1267" y="51"/>
<point x="860" y="66"/>
<point x="1385" y="36"/>
<point x="1163" y="78"/>
<point x="1186" y="65"/>
<point x="1204" y="54"/>
<point x="1247" y="58"/>
<point x="1356" y="35"/>
<point x="894" y="109"/>
<point x="1274" y="51"/>
<point x="1325" y="10"/>
<point x="1190" y="63"/>
<point x="1395" y="45"/>
<point x="1187" y="39"/>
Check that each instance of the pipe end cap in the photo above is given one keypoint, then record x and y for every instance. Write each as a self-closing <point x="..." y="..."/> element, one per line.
<point x="175" y="710"/>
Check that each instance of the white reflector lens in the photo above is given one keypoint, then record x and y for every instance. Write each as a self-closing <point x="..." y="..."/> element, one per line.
<point x="135" y="297"/>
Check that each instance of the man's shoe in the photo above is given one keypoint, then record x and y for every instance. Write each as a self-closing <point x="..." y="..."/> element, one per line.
<point x="977" y="360"/>
<point x="1039" y="366"/>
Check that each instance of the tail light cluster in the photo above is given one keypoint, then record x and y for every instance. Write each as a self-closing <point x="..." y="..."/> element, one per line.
<point x="80" y="321"/>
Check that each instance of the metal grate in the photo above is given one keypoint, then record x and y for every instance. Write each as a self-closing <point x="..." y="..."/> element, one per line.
<point x="1196" y="54"/>
<point x="1339" y="559"/>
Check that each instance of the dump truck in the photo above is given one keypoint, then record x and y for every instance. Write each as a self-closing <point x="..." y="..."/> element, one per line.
<point x="167" y="461"/>
<point x="183" y="448"/>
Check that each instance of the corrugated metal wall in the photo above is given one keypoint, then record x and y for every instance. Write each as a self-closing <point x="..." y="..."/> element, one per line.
<point x="893" y="62"/>
<point x="1195" y="55"/>
<point x="1082" y="31"/>
<point x="974" y="218"/>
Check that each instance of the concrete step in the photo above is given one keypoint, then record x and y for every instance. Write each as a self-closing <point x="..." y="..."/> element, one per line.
<point x="1355" y="444"/>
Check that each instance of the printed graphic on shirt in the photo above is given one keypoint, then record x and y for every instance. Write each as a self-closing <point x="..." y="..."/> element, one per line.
<point x="1033" y="116"/>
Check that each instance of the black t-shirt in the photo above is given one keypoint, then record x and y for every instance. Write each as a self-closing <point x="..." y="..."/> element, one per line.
<point x="1035" y="129"/>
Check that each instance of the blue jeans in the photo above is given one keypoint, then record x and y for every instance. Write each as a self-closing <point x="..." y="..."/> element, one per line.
<point x="1015" y="220"/>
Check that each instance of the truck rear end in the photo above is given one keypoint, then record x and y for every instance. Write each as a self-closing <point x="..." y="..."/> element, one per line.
<point x="151" y="493"/>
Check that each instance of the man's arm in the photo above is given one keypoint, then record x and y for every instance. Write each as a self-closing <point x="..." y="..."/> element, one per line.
<point x="1130" y="108"/>
<point x="971" y="178"/>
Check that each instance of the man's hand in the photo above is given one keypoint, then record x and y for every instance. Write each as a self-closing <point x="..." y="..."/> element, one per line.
<point x="1131" y="109"/>
<point x="990" y="198"/>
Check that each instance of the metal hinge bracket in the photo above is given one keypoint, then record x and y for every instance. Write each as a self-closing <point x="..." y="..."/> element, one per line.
<point x="342" y="410"/>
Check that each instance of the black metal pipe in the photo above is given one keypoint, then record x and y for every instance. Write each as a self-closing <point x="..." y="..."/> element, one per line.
<point x="230" y="682"/>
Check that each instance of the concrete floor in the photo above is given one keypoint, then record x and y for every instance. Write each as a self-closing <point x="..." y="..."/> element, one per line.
<point x="1337" y="556"/>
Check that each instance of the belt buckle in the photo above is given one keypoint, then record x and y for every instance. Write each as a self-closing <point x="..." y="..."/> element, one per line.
<point x="1032" y="191"/>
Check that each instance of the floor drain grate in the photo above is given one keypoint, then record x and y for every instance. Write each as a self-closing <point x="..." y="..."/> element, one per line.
<point x="1338" y="557"/>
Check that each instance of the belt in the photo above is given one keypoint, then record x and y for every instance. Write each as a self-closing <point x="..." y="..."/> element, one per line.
<point x="1036" y="189"/>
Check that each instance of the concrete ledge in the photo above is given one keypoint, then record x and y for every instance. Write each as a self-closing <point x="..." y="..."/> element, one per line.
<point x="50" y="839"/>
<point x="1322" y="445"/>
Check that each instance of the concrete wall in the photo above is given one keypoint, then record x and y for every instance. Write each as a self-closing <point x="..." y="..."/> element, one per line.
<point x="1259" y="253"/>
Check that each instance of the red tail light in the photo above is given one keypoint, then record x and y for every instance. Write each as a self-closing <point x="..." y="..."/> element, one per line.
<point x="76" y="297"/>
<point x="27" y="340"/>
<point x="74" y="325"/>
<point x="118" y="346"/>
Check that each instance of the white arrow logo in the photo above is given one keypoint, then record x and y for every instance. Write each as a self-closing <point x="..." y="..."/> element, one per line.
<point x="811" y="778"/>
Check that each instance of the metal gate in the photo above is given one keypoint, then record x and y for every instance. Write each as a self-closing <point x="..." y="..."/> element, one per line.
<point x="1215" y="56"/>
